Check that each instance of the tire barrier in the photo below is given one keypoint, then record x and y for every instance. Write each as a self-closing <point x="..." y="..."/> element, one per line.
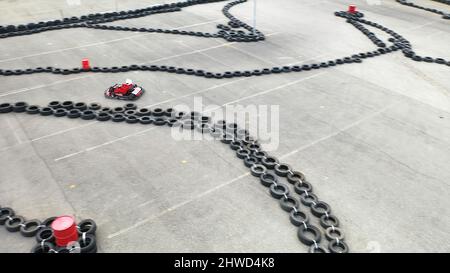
<point x="397" y="42"/>
<point x="235" y="31"/>
<point x="271" y="173"/>
<point x="44" y="234"/>
<point x="444" y="14"/>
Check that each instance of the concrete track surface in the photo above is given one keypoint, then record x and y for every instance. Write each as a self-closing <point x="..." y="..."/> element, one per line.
<point x="372" y="138"/>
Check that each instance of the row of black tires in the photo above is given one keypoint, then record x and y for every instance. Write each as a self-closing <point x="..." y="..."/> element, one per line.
<point x="397" y="41"/>
<point x="43" y="233"/>
<point x="229" y="32"/>
<point x="267" y="168"/>
<point x="445" y="15"/>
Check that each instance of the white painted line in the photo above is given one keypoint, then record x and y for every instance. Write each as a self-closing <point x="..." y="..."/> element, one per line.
<point x="140" y="223"/>
<point x="90" y="75"/>
<point x="42" y="86"/>
<point x="197" y="92"/>
<point x="103" y="144"/>
<point x="147" y="220"/>
<point x="64" y="131"/>
<point x="269" y="90"/>
<point x="340" y="130"/>
<point x="100" y="43"/>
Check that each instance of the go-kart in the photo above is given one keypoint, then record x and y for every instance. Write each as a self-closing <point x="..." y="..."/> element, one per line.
<point x="125" y="91"/>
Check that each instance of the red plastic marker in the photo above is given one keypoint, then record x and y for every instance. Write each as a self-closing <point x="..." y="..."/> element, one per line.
<point x="352" y="9"/>
<point x="65" y="230"/>
<point x="85" y="64"/>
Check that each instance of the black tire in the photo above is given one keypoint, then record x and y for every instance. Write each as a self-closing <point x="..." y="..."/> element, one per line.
<point x="20" y="107"/>
<point x="236" y="144"/>
<point x="94" y="106"/>
<point x="67" y="104"/>
<point x="131" y="119"/>
<point x="4" y="214"/>
<point x="87" y="243"/>
<point x="334" y="233"/>
<point x="338" y="247"/>
<point x="45" y="234"/>
<point x="32" y="109"/>
<point x="30" y="228"/>
<point x="317" y="249"/>
<point x="257" y="170"/>
<point x="329" y="220"/>
<point x="118" y="110"/>
<point x="279" y="190"/>
<point x="157" y="112"/>
<point x="130" y="112"/>
<point x="6" y="107"/>
<point x="242" y="153"/>
<point x="80" y="106"/>
<point x="250" y="161"/>
<point x="74" y="113"/>
<point x="103" y="116"/>
<point x="145" y="120"/>
<point x="45" y="247"/>
<point x="268" y="179"/>
<point x="308" y="199"/>
<point x="173" y="122"/>
<point x="130" y="106"/>
<point x="304" y="238"/>
<point x="159" y="121"/>
<point x="46" y="111"/>
<point x="118" y="117"/>
<point x="320" y="208"/>
<point x="14" y="223"/>
<point x="282" y="170"/>
<point x="269" y="162"/>
<point x="289" y="203"/>
<point x="298" y="218"/>
<point x="295" y="177"/>
<point x="47" y="222"/>
<point x="60" y="112"/>
<point x="87" y="226"/>
<point x="88" y="115"/>
<point x="301" y="187"/>
<point x="143" y="112"/>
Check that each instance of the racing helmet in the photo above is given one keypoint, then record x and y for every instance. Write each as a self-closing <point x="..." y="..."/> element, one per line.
<point x="128" y="81"/>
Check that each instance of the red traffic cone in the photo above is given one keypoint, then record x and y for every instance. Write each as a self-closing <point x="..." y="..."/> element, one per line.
<point x="352" y="9"/>
<point x="85" y="64"/>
